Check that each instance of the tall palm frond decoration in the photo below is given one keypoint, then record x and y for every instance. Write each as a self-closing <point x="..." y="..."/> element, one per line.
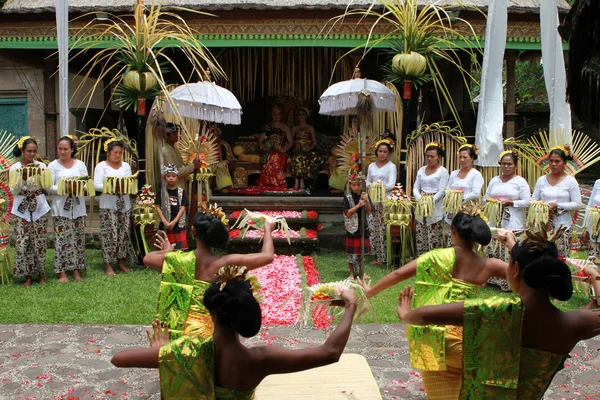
<point x="138" y="56"/>
<point x="420" y="35"/>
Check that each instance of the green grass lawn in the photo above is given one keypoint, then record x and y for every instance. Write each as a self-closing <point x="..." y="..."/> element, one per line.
<point x="131" y="298"/>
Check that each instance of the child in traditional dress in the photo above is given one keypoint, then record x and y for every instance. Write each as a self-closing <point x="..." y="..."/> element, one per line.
<point x="171" y="203"/>
<point x="354" y="202"/>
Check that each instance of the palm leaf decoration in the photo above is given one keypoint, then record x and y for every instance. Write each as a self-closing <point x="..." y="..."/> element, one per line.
<point x="420" y="35"/>
<point x="136" y="60"/>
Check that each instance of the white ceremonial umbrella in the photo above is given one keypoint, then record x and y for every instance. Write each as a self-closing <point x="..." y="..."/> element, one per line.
<point x="206" y="101"/>
<point x="361" y="97"/>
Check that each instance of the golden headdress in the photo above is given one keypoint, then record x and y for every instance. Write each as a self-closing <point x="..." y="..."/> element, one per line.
<point x="564" y="148"/>
<point x="382" y="141"/>
<point x="540" y="235"/>
<point x="215" y="211"/>
<point x="74" y="138"/>
<point x="109" y="141"/>
<point x="356" y="177"/>
<point x="474" y="209"/>
<point x="21" y="141"/>
<point x="229" y="273"/>
<point x="514" y="152"/>
<point x="434" y="144"/>
<point x="469" y="146"/>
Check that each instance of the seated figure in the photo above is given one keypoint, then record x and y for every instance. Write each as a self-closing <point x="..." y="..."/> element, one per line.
<point x="275" y="140"/>
<point x="305" y="161"/>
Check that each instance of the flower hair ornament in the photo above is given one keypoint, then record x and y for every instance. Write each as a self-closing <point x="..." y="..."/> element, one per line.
<point x="215" y="211"/>
<point x="514" y="152"/>
<point x="539" y="236"/>
<point x="469" y="146"/>
<point x="21" y="141"/>
<point x="74" y="138"/>
<point x="169" y="169"/>
<point x="564" y="148"/>
<point x="356" y="177"/>
<point x="382" y="141"/>
<point x="109" y="141"/>
<point x="434" y="144"/>
<point x="229" y="273"/>
<point x="474" y="209"/>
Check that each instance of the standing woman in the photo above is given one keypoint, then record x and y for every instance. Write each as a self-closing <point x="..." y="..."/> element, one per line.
<point x="68" y="212"/>
<point x="466" y="179"/>
<point x="29" y="208"/>
<point x="561" y="191"/>
<point x="513" y="193"/>
<point x="432" y="180"/>
<point x="115" y="210"/>
<point x="592" y="223"/>
<point x="384" y="171"/>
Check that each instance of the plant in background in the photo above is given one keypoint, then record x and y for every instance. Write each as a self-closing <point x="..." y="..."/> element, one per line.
<point x="137" y="55"/>
<point x="419" y="35"/>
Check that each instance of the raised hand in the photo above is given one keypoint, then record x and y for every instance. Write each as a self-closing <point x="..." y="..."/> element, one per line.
<point x="161" y="241"/>
<point x="159" y="335"/>
<point x="404" y="301"/>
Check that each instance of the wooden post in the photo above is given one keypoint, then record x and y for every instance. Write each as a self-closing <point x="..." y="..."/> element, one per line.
<point x="50" y="115"/>
<point x="510" y="116"/>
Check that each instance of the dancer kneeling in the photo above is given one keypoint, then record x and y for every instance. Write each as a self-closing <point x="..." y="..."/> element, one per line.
<point x="513" y="347"/>
<point x="442" y="276"/>
<point x="187" y="274"/>
<point x="221" y="367"/>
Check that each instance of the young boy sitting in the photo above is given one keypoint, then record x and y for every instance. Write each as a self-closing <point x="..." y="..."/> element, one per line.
<point x="354" y="205"/>
<point x="171" y="203"/>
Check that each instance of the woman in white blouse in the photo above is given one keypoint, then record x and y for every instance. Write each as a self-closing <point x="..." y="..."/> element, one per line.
<point x="467" y="178"/>
<point x="115" y="210"/>
<point x="68" y="213"/>
<point x="432" y="180"/>
<point x="384" y="171"/>
<point x="514" y="194"/>
<point x="588" y="233"/>
<point x="30" y="208"/>
<point x="561" y="192"/>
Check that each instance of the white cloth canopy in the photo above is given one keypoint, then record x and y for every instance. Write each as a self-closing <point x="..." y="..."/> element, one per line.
<point x="62" y="33"/>
<point x="490" y="116"/>
<point x="342" y="97"/>
<point x="206" y="101"/>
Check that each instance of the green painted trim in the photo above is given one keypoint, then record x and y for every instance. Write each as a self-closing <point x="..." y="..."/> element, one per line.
<point x="346" y="41"/>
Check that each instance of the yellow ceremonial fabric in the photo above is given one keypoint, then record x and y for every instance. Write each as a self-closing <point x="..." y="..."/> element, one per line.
<point x="446" y="384"/>
<point x="186" y="368"/>
<point x="434" y="285"/>
<point x="181" y="297"/>
<point x="495" y="366"/>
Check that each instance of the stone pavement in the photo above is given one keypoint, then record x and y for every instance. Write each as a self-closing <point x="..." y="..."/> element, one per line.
<point x="73" y="362"/>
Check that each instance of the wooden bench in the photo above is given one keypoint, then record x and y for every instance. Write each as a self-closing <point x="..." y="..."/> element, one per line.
<point x="350" y="378"/>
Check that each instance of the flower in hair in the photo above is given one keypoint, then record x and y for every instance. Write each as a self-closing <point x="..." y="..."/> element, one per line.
<point x="74" y="138"/>
<point x="564" y="148"/>
<point x="109" y="141"/>
<point x="434" y="144"/>
<point x="469" y="146"/>
<point x="540" y="236"/>
<point x="21" y="141"/>
<point x="514" y="152"/>
<point x="215" y="211"/>
<point x="475" y="210"/>
<point x="382" y="141"/>
<point x="229" y="273"/>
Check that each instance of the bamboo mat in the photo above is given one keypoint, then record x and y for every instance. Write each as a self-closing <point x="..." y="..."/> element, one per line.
<point x="350" y="378"/>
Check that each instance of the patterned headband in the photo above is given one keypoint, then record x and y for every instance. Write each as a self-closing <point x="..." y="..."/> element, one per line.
<point x="469" y="146"/>
<point x="508" y="152"/>
<point x="434" y="144"/>
<point x="169" y="169"/>
<point x="356" y="177"/>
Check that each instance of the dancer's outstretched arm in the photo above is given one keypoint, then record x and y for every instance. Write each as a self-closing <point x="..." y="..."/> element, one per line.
<point x="445" y="314"/>
<point x="145" y="357"/>
<point x="277" y="360"/>
<point x="401" y="274"/>
<point x="253" y="260"/>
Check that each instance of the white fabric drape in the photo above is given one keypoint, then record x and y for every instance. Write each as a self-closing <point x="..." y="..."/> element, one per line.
<point x="554" y="74"/>
<point x="490" y="116"/>
<point x="62" y="35"/>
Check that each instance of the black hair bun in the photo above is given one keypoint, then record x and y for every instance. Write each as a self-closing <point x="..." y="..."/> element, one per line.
<point x="235" y="306"/>
<point x="211" y="230"/>
<point x="551" y="273"/>
<point x="472" y="228"/>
